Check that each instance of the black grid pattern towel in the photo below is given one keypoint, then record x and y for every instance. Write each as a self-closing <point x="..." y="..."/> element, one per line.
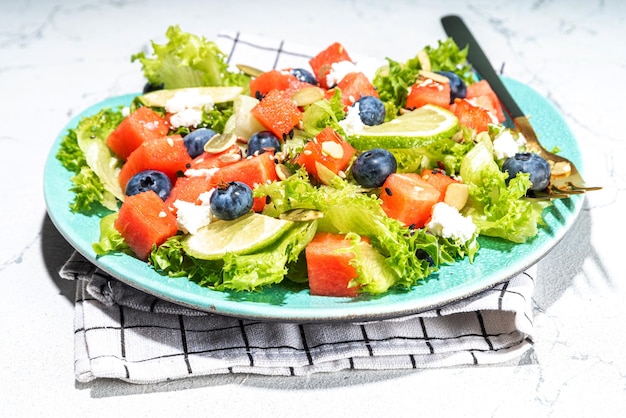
<point x="125" y="334"/>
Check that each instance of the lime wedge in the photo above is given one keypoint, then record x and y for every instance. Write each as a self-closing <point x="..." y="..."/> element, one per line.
<point x="240" y="236"/>
<point x="417" y="128"/>
<point x="158" y="98"/>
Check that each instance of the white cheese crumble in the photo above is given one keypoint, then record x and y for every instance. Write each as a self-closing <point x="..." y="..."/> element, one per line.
<point x="191" y="217"/>
<point x="505" y="146"/>
<point x="339" y="70"/>
<point x="200" y="172"/>
<point x="186" y="107"/>
<point x="352" y="123"/>
<point x="186" y="99"/>
<point x="448" y="222"/>
<point x="187" y="117"/>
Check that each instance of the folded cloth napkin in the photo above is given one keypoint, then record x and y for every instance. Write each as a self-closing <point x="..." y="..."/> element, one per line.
<point x="125" y="334"/>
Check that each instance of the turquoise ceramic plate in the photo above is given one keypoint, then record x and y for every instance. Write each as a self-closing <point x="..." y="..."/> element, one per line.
<point x="497" y="260"/>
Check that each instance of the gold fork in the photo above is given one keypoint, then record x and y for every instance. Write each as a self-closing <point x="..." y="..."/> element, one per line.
<point x="565" y="179"/>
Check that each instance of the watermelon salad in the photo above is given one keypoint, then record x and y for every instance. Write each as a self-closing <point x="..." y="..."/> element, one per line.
<point x="327" y="176"/>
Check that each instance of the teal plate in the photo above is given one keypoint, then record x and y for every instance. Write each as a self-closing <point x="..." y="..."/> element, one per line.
<point x="496" y="261"/>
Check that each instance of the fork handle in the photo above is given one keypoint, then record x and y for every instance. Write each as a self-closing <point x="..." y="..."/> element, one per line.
<point x="460" y="33"/>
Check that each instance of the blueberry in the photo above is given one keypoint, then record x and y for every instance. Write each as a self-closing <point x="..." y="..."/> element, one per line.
<point x="147" y="180"/>
<point x="304" y="75"/>
<point x="531" y="163"/>
<point x="195" y="140"/>
<point x="458" y="89"/>
<point x="262" y="141"/>
<point x="231" y="200"/>
<point x="372" y="168"/>
<point x="371" y="110"/>
<point x="148" y="87"/>
<point x="423" y="255"/>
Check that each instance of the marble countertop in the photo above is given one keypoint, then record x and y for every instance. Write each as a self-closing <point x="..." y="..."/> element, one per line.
<point x="59" y="57"/>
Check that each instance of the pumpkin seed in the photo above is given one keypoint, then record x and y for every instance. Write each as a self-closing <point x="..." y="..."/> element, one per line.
<point x="307" y="95"/>
<point x="220" y="142"/>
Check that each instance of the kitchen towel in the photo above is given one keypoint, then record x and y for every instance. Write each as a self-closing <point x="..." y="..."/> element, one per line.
<point x="125" y="334"/>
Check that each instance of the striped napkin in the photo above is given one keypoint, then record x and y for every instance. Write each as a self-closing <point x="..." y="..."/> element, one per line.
<point x="122" y="333"/>
<point x="125" y="334"/>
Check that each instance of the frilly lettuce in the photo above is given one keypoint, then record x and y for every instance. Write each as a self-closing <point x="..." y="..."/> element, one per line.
<point x="347" y="209"/>
<point x="84" y="152"/>
<point x="393" y="80"/>
<point x="247" y="272"/>
<point x="110" y="238"/>
<point x="188" y="60"/>
<point x="497" y="208"/>
<point x="323" y="113"/>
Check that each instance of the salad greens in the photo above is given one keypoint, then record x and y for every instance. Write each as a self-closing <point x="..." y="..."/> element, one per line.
<point x="496" y="208"/>
<point x="84" y="152"/>
<point x="187" y="60"/>
<point x="236" y="272"/>
<point x="393" y="81"/>
<point x="495" y="205"/>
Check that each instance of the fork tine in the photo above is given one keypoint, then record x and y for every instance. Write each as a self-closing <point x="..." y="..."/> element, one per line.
<point x="546" y="195"/>
<point x="585" y="188"/>
<point x="567" y="190"/>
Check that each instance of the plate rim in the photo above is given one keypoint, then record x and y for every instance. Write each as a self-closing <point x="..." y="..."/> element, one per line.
<point x="360" y="311"/>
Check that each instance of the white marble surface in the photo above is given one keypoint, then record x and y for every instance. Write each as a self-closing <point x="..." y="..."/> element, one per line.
<point x="58" y="57"/>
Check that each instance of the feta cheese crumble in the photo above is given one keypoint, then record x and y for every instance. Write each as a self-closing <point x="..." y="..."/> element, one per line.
<point x="186" y="117"/>
<point x="339" y="70"/>
<point x="506" y="146"/>
<point x="352" y="123"/>
<point x="186" y="107"/>
<point x="201" y="172"/>
<point x="447" y="222"/>
<point x="191" y="217"/>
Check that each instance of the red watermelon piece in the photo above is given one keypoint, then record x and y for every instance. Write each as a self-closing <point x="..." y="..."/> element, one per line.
<point x="253" y="170"/>
<point x="144" y="221"/>
<point x="278" y="113"/>
<point x="328" y="266"/>
<point x="408" y="198"/>
<point x="322" y="62"/>
<point x="165" y="153"/>
<point x="141" y="125"/>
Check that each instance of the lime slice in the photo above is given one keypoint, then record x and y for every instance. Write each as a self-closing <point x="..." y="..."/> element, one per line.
<point x="417" y="128"/>
<point x="158" y="98"/>
<point x="240" y="236"/>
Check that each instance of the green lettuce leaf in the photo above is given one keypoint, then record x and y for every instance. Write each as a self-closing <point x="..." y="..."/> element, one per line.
<point x="346" y="208"/>
<point x="236" y="272"/>
<point x="448" y="57"/>
<point x="444" y="152"/>
<point x="497" y="208"/>
<point x="170" y="258"/>
<point x="110" y="238"/>
<point x="322" y="113"/>
<point x="83" y="151"/>
<point x="269" y="266"/>
<point x="393" y="80"/>
<point x="188" y="60"/>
